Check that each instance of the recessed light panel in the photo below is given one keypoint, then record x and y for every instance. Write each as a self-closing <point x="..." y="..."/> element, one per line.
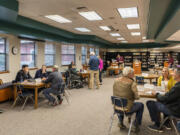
<point x="144" y="37"/>
<point x="105" y="28"/>
<point x="135" y="33"/>
<point x="91" y="15"/>
<point x="145" y="40"/>
<point x="115" y="34"/>
<point x="133" y="26"/>
<point x="82" y="29"/>
<point x="128" y="12"/>
<point x="124" y="41"/>
<point x="120" y="38"/>
<point x="58" y="18"/>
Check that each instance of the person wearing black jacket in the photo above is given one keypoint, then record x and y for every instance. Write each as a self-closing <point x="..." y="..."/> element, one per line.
<point x="168" y="104"/>
<point x="41" y="73"/>
<point x="55" y="78"/>
<point x="23" y="74"/>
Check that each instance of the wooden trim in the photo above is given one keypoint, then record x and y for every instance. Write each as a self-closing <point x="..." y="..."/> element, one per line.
<point x="3" y="72"/>
<point x="35" y="68"/>
<point x="49" y="66"/>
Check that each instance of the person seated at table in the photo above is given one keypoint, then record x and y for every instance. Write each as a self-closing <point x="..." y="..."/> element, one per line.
<point x="41" y="73"/>
<point x="119" y="59"/>
<point x="166" y="79"/>
<point x="23" y="74"/>
<point x="55" y="78"/>
<point x="73" y="71"/>
<point x="125" y="87"/>
<point x="168" y="104"/>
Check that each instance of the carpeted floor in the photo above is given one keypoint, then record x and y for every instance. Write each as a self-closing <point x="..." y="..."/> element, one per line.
<point x="88" y="114"/>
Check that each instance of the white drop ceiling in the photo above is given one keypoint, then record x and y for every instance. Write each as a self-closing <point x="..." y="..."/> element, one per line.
<point x="175" y="36"/>
<point x="107" y="9"/>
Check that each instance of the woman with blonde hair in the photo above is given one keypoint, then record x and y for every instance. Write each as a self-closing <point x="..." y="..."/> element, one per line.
<point x="166" y="79"/>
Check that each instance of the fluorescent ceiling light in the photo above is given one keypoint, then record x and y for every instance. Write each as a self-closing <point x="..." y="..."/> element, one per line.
<point x="105" y="28"/>
<point x="120" y="38"/>
<point x="115" y="34"/>
<point x="58" y="18"/>
<point x="145" y="40"/>
<point x="133" y="26"/>
<point x="144" y="37"/>
<point x="91" y="15"/>
<point x="82" y="29"/>
<point x="135" y="33"/>
<point x="128" y="12"/>
<point x="26" y="41"/>
<point x="124" y="41"/>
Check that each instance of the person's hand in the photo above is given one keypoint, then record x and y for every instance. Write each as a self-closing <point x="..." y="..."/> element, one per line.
<point x="153" y="93"/>
<point x="25" y="81"/>
<point x="43" y="79"/>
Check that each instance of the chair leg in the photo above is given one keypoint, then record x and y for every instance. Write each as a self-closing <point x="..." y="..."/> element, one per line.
<point x="163" y="122"/>
<point x="14" y="103"/>
<point x="22" y="108"/>
<point x="174" y="126"/>
<point x="66" y="96"/>
<point x="129" y="132"/>
<point x="112" y="118"/>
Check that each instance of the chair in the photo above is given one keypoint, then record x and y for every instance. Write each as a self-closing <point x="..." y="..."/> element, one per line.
<point x="175" y="123"/>
<point x="22" y="95"/>
<point x="120" y="107"/>
<point x="140" y="80"/>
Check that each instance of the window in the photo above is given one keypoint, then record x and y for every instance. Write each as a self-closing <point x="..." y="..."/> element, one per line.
<point x="91" y="50"/>
<point x="3" y="54"/>
<point x="49" y="54"/>
<point x="83" y="54"/>
<point x="97" y="51"/>
<point x="28" y="55"/>
<point x="68" y="54"/>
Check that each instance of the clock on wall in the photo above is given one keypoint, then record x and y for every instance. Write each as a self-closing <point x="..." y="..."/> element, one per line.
<point x="14" y="50"/>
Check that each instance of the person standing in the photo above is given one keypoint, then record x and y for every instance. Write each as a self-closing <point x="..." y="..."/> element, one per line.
<point x="170" y="60"/>
<point x="94" y="70"/>
<point x="100" y="69"/>
<point x="119" y="59"/>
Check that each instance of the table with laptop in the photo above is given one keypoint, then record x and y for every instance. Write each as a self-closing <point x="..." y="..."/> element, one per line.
<point x="150" y="77"/>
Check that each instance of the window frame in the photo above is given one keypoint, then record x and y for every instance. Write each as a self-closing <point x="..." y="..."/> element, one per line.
<point x="6" y="56"/>
<point x="46" y="54"/>
<point x="68" y="54"/>
<point x="83" y="55"/>
<point x="34" y="54"/>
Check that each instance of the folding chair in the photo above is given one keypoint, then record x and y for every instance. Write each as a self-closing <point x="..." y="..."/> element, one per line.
<point x="175" y="123"/>
<point x="140" y="80"/>
<point x="22" y="95"/>
<point x="120" y="108"/>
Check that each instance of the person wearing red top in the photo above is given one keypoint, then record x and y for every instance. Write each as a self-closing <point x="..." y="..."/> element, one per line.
<point x="170" y="60"/>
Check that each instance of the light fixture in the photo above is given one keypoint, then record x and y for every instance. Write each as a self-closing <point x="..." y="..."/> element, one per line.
<point x="58" y="18"/>
<point x="115" y="34"/>
<point x="120" y="38"/>
<point x="124" y="41"/>
<point x="82" y="29"/>
<point x="145" y="40"/>
<point x="144" y="37"/>
<point x="133" y="26"/>
<point x="135" y="33"/>
<point x="91" y="15"/>
<point x="128" y="12"/>
<point x="105" y="28"/>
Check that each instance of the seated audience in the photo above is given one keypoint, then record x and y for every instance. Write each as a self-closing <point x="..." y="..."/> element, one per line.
<point x="41" y="73"/>
<point x="166" y="79"/>
<point x="56" y="81"/>
<point x="167" y="104"/>
<point x="23" y="74"/>
<point x="125" y="87"/>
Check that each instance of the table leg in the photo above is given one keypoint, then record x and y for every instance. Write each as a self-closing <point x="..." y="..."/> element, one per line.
<point x="36" y="98"/>
<point x="15" y="92"/>
<point x="150" y="81"/>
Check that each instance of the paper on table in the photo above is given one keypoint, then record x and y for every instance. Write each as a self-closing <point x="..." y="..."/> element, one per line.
<point x="145" y="74"/>
<point x="149" y="92"/>
<point x="148" y="86"/>
<point x="160" y="92"/>
<point x="140" y="88"/>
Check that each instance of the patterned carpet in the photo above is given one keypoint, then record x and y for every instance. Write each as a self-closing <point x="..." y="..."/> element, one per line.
<point x="88" y="113"/>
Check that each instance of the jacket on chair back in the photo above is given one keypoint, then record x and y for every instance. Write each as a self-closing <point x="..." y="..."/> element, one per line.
<point x="125" y="87"/>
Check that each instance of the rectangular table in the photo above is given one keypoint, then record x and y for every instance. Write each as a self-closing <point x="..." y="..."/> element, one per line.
<point x="113" y="68"/>
<point x="147" y="93"/>
<point x="85" y="75"/>
<point x="30" y="85"/>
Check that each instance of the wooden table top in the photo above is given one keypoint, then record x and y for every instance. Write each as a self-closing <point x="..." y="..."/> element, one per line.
<point x="33" y="84"/>
<point x="150" y="76"/>
<point x="147" y="93"/>
<point x="114" y="68"/>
